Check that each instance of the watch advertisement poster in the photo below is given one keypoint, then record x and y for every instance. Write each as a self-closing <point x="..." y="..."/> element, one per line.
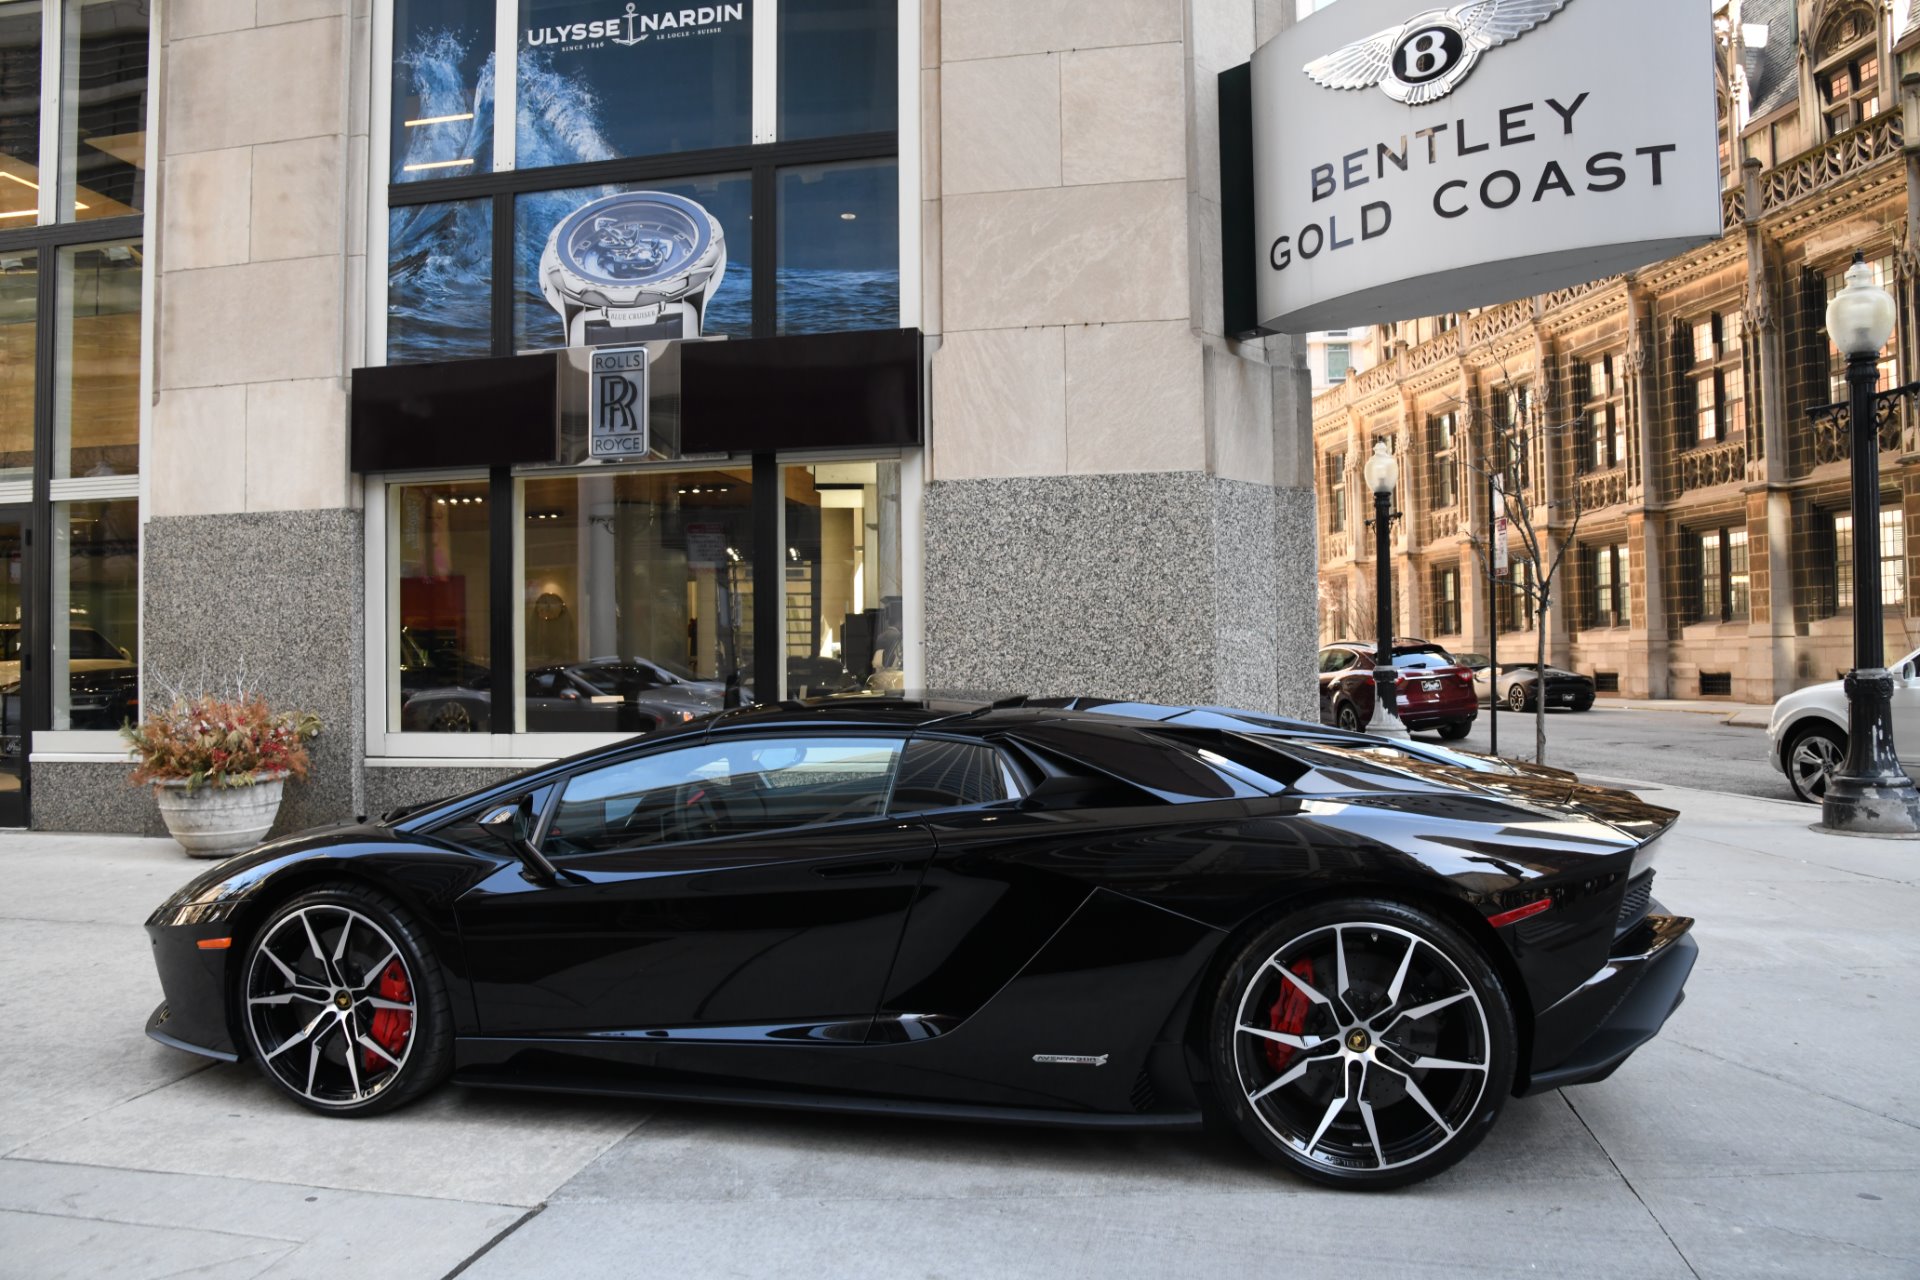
<point x="613" y="263"/>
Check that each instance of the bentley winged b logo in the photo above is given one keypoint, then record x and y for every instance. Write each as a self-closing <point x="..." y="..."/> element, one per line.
<point x="1429" y="56"/>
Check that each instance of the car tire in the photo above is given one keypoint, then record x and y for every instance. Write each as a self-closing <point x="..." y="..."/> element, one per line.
<point x="1583" y="704"/>
<point x="1398" y="1099"/>
<point x="1347" y="717"/>
<point x="393" y="1039"/>
<point x="1517" y="699"/>
<point x="1454" y="730"/>
<point x="1813" y="753"/>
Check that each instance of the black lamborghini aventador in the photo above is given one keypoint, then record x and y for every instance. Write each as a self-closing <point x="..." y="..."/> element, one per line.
<point x="1064" y="912"/>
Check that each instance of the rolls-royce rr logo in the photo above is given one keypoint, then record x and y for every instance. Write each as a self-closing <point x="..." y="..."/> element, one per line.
<point x="1430" y="55"/>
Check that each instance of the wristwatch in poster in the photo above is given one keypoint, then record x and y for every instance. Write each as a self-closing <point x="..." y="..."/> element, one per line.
<point x="633" y="267"/>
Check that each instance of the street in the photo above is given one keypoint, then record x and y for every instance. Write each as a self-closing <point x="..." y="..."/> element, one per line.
<point x="1753" y="1137"/>
<point x="1677" y="748"/>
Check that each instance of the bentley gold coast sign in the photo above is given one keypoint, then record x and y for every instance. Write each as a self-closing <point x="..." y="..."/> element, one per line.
<point x="1410" y="160"/>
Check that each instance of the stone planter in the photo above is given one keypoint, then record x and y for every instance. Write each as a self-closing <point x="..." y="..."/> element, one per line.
<point x="217" y="822"/>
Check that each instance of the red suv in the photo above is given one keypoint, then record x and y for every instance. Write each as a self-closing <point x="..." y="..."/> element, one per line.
<point x="1435" y="692"/>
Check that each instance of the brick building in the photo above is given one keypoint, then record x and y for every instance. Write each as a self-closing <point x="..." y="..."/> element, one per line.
<point x="1663" y="418"/>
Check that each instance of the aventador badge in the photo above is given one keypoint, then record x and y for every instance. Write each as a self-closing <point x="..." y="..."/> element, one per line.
<point x="1429" y="56"/>
<point x="633" y="267"/>
<point x="1072" y="1059"/>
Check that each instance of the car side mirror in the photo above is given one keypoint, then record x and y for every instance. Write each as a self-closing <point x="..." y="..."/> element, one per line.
<point x="1904" y="674"/>
<point x="509" y="823"/>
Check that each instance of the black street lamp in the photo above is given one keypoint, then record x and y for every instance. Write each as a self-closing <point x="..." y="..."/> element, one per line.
<point x="1870" y="794"/>
<point x="1383" y="477"/>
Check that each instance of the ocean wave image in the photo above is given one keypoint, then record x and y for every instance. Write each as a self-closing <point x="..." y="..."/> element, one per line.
<point x="822" y="300"/>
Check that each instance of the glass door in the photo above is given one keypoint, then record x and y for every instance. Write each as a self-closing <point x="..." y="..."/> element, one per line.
<point x="15" y="667"/>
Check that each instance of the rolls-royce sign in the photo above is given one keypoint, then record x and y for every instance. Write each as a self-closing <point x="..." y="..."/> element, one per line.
<point x="1410" y="160"/>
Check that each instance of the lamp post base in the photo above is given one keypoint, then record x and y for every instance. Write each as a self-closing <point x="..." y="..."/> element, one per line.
<point x="1871" y="794"/>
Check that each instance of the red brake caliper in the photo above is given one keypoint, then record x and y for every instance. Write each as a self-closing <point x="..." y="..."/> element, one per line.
<point x="1289" y="1014"/>
<point x="390" y="1026"/>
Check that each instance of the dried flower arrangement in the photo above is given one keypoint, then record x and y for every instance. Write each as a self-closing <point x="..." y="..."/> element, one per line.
<point x="220" y="741"/>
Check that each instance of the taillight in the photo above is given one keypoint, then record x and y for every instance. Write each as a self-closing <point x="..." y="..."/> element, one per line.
<point x="1464" y="677"/>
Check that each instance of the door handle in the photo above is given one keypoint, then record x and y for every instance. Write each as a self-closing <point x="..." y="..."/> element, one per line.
<point x="856" y="870"/>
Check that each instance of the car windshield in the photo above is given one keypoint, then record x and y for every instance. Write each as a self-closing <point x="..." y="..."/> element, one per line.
<point x="1421" y="661"/>
<point x="85" y="642"/>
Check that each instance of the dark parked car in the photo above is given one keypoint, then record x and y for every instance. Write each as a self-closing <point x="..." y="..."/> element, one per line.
<point x="1070" y="913"/>
<point x="1434" y="691"/>
<point x="1519" y="684"/>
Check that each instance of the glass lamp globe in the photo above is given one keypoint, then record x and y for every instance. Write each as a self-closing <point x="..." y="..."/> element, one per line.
<point x="1860" y="317"/>
<point x="1383" y="469"/>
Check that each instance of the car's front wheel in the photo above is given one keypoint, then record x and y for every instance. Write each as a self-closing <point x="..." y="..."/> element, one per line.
<point x="345" y="1010"/>
<point x="1517" y="697"/>
<point x="1363" y="1044"/>
<point x="1813" y="756"/>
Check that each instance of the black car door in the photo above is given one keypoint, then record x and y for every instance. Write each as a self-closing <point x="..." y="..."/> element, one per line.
<point x="748" y="881"/>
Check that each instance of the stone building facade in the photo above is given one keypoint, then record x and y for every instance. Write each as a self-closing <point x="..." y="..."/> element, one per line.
<point x="1661" y="424"/>
<point x="1099" y="492"/>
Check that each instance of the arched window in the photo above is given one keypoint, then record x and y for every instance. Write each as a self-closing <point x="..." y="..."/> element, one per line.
<point x="1846" y="69"/>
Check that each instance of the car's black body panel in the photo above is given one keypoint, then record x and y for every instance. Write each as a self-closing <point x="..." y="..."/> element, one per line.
<point x="1041" y="959"/>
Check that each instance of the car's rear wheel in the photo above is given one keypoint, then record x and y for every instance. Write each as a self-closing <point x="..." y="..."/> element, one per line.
<point x="1363" y="1044"/>
<point x="1813" y="755"/>
<point x="345" y="1010"/>
<point x="1583" y="704"/>
<point x="1454" y="730"/>
<point x="1517" y="699"/>
<point x="1347" y="717"/>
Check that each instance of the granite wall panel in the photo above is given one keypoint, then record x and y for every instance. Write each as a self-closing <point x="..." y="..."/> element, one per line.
<point x="391" y="788"/>
<point x="1167" y="587"/>
<point x="274" y="600"/>
<point x="74" y="796"/>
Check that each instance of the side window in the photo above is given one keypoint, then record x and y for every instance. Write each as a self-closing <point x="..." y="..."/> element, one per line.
<point x="1335" y="660"/>
<point x="734" y="787"/>
<point x="950" y="775"/>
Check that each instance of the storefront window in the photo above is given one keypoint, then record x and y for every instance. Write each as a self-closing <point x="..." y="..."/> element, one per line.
<point x="19" y="311"/>
<point x="96" y="587"/>
<point x="97" y="408"/>
<point x="597" y="84"/>
<point x="637" y="606"/>
<point x="633" y="263"/>
<point x="843" y="623"/>
<point x="439" y="290"/>
<point x="19" y="114"/>
<point x="439" y="654"/>
<point x="839" y="247"/>
<point x="839" y="67"/>
<point x="442" y="89"/>
<point x="103" y="109"/>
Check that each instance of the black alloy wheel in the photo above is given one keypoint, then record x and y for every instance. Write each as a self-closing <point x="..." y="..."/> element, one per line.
<point x="1347" y="718"/>
<point x="1813" y="755"/>
<point x="1583" y="703"/>
<point x="1454" y="730"/>
<point x="1363" y="1044"/>
<point x="346" y="1011"/>
<point x="451" y="717"/>
<point x="1517" y="699"/>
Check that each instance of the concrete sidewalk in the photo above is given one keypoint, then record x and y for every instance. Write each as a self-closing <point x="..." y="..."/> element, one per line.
<point x="1744" y="715"/>
<point x="1770" y="1131"/>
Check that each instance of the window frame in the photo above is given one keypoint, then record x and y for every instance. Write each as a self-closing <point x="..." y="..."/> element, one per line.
<point x="1837" y="54"/>
<point x="1721" y="574"/>
<point x="1712" y="374"/>
<point x="46" y="239"/>
<point x="763" y="159"/>
<point x="1837" y="595"/>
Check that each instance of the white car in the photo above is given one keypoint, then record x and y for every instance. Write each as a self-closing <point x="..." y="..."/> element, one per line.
<point x="1807" y="737"/>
